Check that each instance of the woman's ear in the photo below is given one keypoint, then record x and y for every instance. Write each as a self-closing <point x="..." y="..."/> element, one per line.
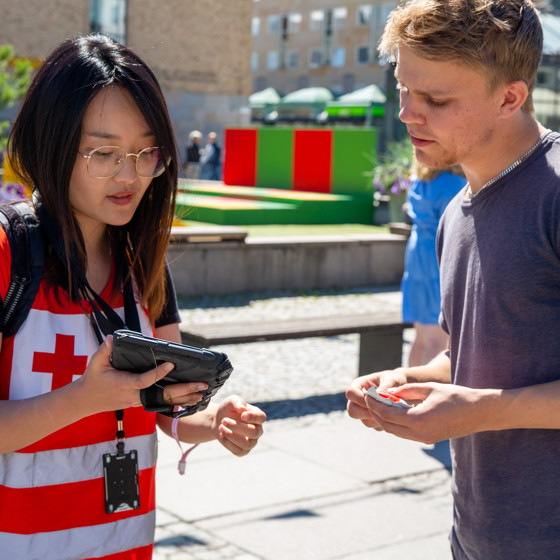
<point x="514" y="96"/>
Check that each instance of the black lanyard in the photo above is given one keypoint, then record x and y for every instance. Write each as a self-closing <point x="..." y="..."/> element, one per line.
<point x="104" y="319"/>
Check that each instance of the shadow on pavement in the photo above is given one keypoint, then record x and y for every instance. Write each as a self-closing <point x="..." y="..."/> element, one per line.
<point x="440" y="452"/>
<point x="290" y="408"/>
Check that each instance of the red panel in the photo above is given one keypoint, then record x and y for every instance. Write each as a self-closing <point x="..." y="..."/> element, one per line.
<point x="240" y="158"/>
<point x="312" y="160"/>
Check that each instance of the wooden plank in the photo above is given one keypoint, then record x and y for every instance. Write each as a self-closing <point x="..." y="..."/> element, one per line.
<point x="198" y="234"/>
<point x="400" y="228"/>
<point x="303" y="327"/>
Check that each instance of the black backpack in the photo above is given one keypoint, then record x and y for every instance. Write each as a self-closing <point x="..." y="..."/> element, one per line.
<point x="28" y="256"/>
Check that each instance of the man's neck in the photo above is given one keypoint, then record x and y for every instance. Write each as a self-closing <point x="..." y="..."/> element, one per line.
<point x="506" y="147"/>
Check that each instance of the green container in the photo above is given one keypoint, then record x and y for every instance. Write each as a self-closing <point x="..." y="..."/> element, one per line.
<point x="275" y="158"/>
<point x="354" y="152"/>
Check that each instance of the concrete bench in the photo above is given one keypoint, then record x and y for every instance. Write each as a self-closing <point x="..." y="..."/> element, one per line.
<point x="381" y="334"/>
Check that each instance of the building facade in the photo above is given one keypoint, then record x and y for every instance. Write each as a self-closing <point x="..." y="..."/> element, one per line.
<point x="303" y="43"/>
<point x="199" y="51"/>
<point x="333" y="44"/>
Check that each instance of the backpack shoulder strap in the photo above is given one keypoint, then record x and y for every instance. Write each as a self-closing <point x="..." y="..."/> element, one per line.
<point x="24" y="234"/>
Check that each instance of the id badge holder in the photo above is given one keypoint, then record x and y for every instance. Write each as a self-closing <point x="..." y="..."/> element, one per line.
<point x="120" y="472"/>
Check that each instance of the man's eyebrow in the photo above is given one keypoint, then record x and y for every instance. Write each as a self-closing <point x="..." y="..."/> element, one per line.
<point x="432" y="93"/>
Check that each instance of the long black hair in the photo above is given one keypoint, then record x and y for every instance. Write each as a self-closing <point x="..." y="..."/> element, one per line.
<point x="44" y="143"/>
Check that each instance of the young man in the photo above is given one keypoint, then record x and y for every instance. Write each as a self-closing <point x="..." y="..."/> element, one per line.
<point x="466" y="71"/>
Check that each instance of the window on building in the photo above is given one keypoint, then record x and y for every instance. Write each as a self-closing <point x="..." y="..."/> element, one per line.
<point x="338" y="57"/>
<point x="545" y="77"/>
<point x="255" y="26"/>
<point x="348" y="83"/>
<point x="316" y="19"/>
<point x="374" y="16"/>
<point x="272" y="60"/>
<point x="380" y="13"/>
<point x="294" y="23"/>
<point x="339" y="16"/>
<point x="273" y="25"/>
<point x="109" y="16"/>
<point x="292" y="59"/>
<point x="315" y="58"/>
<point x="254" y="61"/>
<point x="362" y="55"/>
<point x="302" y="81"/>
<point x="260" y="83"/>
<point x="364" y="15"/>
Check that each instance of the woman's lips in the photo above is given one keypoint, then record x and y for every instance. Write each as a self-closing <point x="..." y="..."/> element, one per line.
<point x="121" y="199"/>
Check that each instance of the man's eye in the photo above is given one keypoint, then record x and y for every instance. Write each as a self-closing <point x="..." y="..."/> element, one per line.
<point x="435" y="103"/>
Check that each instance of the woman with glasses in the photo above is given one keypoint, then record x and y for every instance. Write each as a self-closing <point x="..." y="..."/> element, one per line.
<point x="94" y="139"/>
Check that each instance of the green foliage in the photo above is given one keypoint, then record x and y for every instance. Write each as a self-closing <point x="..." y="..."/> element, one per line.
<point x="15" y="76"/>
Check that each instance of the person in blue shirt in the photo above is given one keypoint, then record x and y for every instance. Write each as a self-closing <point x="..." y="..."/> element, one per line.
<point x="428" y="195"/>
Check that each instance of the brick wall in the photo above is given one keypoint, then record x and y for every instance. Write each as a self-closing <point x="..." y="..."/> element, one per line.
<point x="200" y="51"/>
<point x="195" y="46"/>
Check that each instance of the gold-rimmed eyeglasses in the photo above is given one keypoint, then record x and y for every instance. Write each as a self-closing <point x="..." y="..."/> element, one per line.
<point x="106" y="161"/>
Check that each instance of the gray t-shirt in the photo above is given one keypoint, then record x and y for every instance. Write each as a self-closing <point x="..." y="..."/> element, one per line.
<point x="500" y="281"/>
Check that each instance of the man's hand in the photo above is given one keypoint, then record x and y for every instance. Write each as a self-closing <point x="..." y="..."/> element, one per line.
<point x="357" y="407"/>
<point x="445" y="411"/>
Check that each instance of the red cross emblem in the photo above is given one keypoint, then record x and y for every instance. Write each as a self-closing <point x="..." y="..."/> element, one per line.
<point x="62" y="364"/>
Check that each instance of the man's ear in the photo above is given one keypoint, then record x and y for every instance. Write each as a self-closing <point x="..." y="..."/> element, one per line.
<point x="514" y="96"/>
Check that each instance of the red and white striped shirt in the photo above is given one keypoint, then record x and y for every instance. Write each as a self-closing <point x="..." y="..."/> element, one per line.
<point x="52" y="492"/>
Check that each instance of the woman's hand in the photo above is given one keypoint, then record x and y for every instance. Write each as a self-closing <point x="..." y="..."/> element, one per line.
<point x="238" y="425"/>
<point x="104" y="388"/>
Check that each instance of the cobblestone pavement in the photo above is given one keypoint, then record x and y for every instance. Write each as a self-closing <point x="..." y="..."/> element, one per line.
<point x="290" y="370"/>
<point x="297" y="382"/>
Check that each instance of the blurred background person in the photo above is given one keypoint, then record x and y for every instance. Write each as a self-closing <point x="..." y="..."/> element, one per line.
<point x="428" y="195"/>
<point x="211" y="159"/>
<point x="192" y="156"/>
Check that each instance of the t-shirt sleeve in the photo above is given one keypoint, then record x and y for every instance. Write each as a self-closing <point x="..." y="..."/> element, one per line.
<point x="170" y="313"/>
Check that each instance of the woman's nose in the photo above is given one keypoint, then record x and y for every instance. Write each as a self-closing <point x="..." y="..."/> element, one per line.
<point x="127" y="173"/>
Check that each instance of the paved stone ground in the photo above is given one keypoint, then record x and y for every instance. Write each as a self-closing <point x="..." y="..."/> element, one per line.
<point x="178" y="540"/>
<point x="297" y="382"/>
<point x="290" y="369"/>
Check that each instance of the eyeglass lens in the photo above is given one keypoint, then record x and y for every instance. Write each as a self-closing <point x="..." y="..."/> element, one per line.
<point x="106" y="161"/>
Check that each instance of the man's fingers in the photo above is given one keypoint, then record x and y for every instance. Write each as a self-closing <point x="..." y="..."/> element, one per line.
<point x="411" y="391"/>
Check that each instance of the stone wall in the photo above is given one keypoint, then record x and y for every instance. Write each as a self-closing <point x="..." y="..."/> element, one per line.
<point x="281" y="263"/>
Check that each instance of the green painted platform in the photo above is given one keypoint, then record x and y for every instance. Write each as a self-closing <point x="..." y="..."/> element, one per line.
<point x="224" y="210"/>
<point x="214" y="202"/>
